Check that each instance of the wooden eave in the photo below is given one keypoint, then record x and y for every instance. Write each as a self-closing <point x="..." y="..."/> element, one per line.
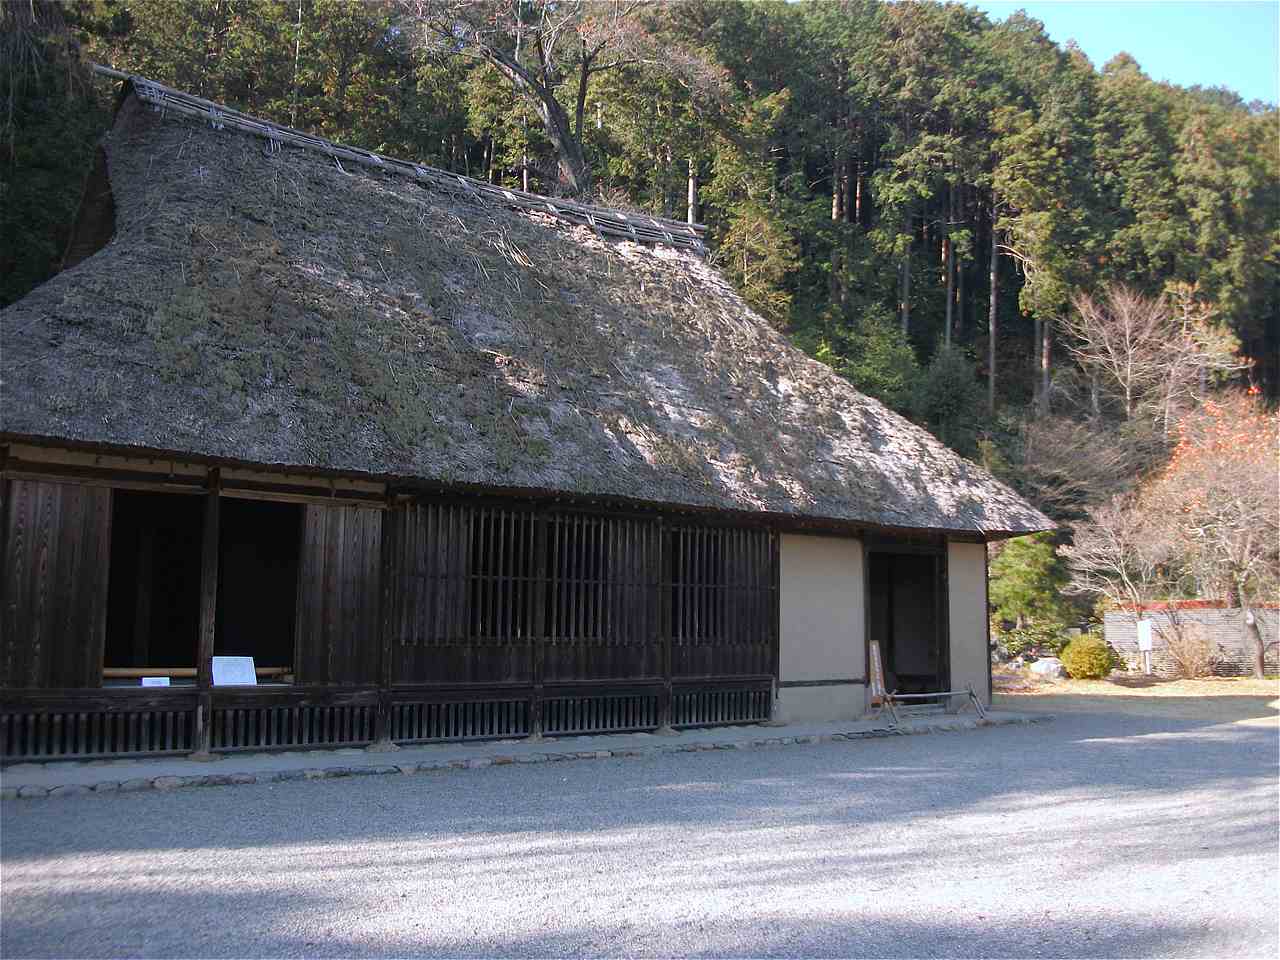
<point x="165" y="471"/>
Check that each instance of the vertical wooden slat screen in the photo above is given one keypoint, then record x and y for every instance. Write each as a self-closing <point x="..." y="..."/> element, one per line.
<point x="479" y="591"/>
<point x="463" y="594"/>
<point x="339" y="573"/>
<point x="602" y="598"/>
<point x="56" y="561"/>
<point x="722" y="587"/>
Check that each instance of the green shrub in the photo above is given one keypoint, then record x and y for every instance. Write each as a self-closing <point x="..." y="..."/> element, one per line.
<point x="1088" y="658"/>
<point x="1039" y="638"/>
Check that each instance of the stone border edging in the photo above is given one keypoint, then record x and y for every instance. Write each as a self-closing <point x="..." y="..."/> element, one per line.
<point x="170" y="782"/>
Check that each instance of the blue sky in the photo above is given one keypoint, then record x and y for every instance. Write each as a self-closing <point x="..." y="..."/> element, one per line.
<point x="1227" y="43"/>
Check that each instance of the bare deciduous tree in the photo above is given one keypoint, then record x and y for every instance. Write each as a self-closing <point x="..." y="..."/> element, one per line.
<point x="542" y="47"/>
<point x="1118" y="554"/>
<point x="1155" y="354"/>
<point x="538" y="45"/>
<point x="1188" y="645"/>
<point x="1218" y="504"/>
<point x="1211" y="516"/>
<point x="1067" y="464"/>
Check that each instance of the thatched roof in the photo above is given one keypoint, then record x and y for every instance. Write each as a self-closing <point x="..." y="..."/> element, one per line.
<point x="264" y="302"/>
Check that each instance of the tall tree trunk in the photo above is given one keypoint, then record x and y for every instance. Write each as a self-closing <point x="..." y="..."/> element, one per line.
<point x="905" y="306"/>
<point x="849" y="179"/>
<point x="668" y="178"/>
<point x="858" y="198"/>
<point x="960" y="292"/>
<point x="693" y="192"/>
<point x="1254" y="631"/>
<point x="837" y="189"/>
<point x="1035" y="365"/>
<point x="575" y="174"/>
<point x="837" y="214"/>
<point x="948" y="264"/>
<point x="297" y="58"/>
<point x="1046" y="359"/>
<point x="991" y="315"/>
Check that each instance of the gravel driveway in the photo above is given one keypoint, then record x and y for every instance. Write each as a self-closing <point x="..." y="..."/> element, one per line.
<point x="1095" y="835"/>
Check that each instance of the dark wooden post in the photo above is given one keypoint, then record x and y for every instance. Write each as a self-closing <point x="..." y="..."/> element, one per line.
<point x="208" y="618"/>
<point x="382" y="742"/>
<point x="775" y="584"/>
<point x="665" y="626"/>
<point x="540" y="625"/>
<point x="7" y="677"/>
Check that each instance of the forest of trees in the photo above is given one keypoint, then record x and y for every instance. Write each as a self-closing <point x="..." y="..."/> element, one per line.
<point x="1049" y="263"/>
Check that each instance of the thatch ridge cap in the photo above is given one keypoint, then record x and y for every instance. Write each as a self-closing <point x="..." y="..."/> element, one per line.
<point x="603" y="220"/>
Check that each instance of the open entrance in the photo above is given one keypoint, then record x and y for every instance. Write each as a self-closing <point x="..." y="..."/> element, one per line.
<point x="153" y="612"/>
<point x="258" y="584"/>
<point x="905" y="597"/>
<point x="153" y="605"/>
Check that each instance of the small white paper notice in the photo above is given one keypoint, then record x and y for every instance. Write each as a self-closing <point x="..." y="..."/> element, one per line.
<point x="233" y="671"/>
<point x="1144" y="635"/>
<point x="155" y="681"/>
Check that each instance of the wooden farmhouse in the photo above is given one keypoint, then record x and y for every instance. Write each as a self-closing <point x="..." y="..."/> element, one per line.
<point x="447" y="461"/>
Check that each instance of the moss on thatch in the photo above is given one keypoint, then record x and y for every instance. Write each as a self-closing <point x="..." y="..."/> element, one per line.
<point x="265" y="304"/>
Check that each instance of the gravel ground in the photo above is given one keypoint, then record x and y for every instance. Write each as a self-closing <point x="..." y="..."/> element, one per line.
<point x="1096" y="835"/>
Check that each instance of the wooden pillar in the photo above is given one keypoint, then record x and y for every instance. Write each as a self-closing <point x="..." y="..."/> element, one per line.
<point x="540" y="625"/>
<point x="665" y="626"/>
<point x="7" y="677"/>
<point x="208" y="617"/>
<point x="382" y="742"/>
<point x="775" y="580"/>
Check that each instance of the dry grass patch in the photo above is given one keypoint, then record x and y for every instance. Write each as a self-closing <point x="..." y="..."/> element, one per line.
<point x="1211" y="699"/>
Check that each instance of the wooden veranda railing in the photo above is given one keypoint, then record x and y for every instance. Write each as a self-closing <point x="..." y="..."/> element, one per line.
<point x="127" y="721"/>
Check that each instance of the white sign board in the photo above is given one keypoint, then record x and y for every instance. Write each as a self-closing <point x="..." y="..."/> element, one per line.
<point x="234" y="671"/>
<point x="155" y="681"/>
<point x="1144" y="635"/>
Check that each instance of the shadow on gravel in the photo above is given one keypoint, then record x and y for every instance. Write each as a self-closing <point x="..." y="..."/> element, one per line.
<point x="239" y="870"/>
<point x="1197" y="711"/>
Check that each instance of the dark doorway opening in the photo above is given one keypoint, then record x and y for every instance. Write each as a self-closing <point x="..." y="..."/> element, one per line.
<point x="153" y="603"/>
<point x="905" y="597"/>
<point x="258" y="584"/>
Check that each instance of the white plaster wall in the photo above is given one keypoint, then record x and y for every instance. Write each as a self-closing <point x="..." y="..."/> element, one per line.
<point x="822" y="621"/>
<point x="967" y="609"/>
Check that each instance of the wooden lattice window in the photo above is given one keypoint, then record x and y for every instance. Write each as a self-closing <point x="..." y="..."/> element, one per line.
<point x="721" y="584"/>
<point x="487" y="574"/>
<point x="601" y="579"/>
<point x="502" y="575"/>
<point x="465" y="574"/>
